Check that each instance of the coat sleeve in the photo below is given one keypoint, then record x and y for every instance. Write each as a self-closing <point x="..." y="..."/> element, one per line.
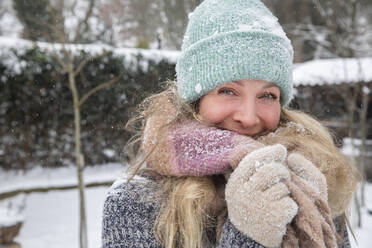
<point x="127" y="219"/>
<point x="344" y="233"/>
<point x="231" y="237"/>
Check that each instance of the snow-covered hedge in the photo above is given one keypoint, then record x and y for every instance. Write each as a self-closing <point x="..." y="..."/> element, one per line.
<point x="36" y="118"/>
<point x="129" y="56"/>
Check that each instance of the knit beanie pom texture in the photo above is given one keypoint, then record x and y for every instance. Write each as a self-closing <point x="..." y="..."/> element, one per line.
<point x="229" y="40"/>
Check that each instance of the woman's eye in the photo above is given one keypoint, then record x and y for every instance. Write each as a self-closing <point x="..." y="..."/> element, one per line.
<point x="268" y="95"/>
<point x="225" y="91"/>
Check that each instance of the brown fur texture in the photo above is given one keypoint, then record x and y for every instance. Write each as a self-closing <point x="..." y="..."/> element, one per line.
<point x="313" y="225"/>
<point x="153" y="142"/>
<point x="341" y="180"/>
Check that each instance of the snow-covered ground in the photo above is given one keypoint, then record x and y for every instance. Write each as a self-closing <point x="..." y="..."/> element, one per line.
<point x="51" y="219"/>
<point x="364" y="234"/>
<point x="63" y="177"/>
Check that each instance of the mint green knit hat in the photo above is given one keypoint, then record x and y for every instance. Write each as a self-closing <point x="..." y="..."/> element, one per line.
<point x="229" y="40"/>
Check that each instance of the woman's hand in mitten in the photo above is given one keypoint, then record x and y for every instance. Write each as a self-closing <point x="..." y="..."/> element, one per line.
<point x="306" y="170"/>
<point x="259" y="204"/>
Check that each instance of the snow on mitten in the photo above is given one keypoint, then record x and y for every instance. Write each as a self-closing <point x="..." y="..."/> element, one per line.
<point x="306" y="170"/>
<point x="258" y="202"/>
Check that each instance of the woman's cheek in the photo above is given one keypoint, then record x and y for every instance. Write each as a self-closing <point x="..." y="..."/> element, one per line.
<point x="270" y="115"/>
<point x="216" y="112"/>
<point x="216" y="115"/>
<point x="274" y="118"/>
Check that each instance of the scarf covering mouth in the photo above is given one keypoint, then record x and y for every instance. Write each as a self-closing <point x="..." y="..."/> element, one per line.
<point x="194" y="149"/>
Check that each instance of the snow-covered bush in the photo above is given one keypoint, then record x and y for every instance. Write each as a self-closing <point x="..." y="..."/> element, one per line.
<point x="36" y="124"/>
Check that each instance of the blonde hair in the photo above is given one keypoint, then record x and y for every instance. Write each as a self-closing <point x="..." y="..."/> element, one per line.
<point x="186" y="212"/>
<point x="187" y="202"/>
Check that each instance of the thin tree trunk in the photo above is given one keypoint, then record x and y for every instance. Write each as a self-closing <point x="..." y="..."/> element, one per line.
<point x="98" y="141"/>
<point x="363" y="133"/>
<point x="26" y="141"/>
<point x="83" y="241"/>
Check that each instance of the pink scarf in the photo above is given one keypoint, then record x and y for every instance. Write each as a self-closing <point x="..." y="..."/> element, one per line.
<point x="193" y="149"/>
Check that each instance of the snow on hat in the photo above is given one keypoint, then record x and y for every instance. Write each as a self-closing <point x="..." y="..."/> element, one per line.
<point x="229" y="40"/>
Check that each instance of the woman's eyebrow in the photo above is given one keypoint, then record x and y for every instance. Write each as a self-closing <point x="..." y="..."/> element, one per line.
<point x="270" y="85"/>
<point x="237" y="82"/>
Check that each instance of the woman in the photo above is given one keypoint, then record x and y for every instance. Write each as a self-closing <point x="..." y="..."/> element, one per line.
<point x="226" y="164"/>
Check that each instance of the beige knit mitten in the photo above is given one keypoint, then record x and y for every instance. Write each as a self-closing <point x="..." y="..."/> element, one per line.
<point x="259" y="204"/>
<point x="305" y="169"/>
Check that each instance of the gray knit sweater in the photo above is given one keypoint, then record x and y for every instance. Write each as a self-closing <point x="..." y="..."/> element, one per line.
<point x="129" y="214"/>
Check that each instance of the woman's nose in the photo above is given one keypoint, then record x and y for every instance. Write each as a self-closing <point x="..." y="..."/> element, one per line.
<point x="246" y="114"/>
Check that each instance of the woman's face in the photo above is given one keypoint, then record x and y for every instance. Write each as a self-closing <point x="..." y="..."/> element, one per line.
<point x="248" y="107"/>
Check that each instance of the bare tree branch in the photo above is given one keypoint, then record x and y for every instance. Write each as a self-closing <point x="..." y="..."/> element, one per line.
<point x="99" y="87"/>
<point x="84" y="22"/>
<point x="73" y="7"/>
<point x="89" y="59"/>
<point x="60" y="34"/>
<point x="62" y="41"/>
<point x="60" y="61"/>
